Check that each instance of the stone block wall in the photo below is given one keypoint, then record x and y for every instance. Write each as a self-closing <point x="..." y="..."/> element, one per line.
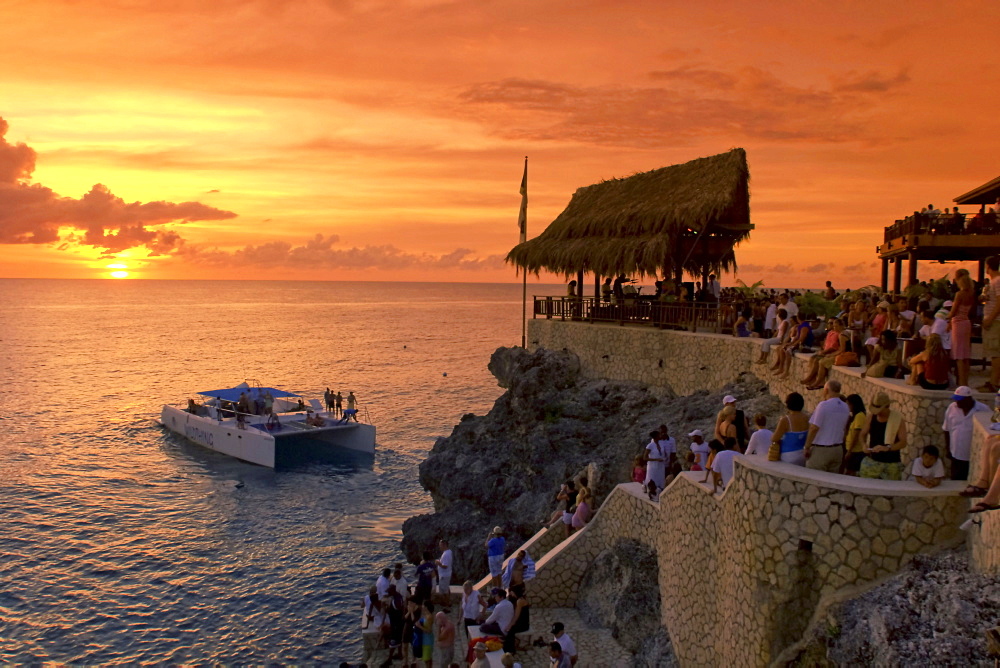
<point x="752" y="564"/>
<point x="688" y="362"/>
<point x="984" y="534"/>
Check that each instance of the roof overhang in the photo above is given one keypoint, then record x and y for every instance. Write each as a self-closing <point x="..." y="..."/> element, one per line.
<point x="984" y="194"/>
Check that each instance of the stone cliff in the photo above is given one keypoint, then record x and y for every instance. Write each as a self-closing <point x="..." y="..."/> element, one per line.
<point x="504" y="468"/>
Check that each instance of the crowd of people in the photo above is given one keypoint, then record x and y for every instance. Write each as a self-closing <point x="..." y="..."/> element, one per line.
<point x="842" y="435"/>
<point x="921" y="338"/>
<point x="932" y="220"/>
<point x="412" y="621"/>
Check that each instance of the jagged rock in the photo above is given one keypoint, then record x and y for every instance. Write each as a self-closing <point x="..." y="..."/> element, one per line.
<point x="620" y="592"/>
<point x="933" y="613"/>
<point x="504" y="468"/>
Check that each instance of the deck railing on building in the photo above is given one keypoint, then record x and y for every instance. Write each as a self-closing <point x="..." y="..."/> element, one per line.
<point x="692" y="316"/>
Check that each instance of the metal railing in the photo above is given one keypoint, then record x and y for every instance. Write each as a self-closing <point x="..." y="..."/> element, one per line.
<point x="692" y="316"/>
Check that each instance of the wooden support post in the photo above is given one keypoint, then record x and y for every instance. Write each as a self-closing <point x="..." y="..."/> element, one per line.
<point x="897" y="278"/>
<point x="912" y="274"/>
<point x="885" y="275"/>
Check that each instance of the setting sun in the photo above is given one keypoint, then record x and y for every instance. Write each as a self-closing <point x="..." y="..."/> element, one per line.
<point x="119" y="274"/>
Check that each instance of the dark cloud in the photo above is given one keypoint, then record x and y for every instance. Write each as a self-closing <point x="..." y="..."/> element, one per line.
<point x="688" y="103"/>
<point x="698" y="76"/>
<point x="820" y="268"/>
<point x="30" y="213"/>
<point x="319" y="252"/>
<point x="870" y="82"/>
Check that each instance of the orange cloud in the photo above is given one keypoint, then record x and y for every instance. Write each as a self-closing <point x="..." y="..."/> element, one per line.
<point x="30" y="213"/>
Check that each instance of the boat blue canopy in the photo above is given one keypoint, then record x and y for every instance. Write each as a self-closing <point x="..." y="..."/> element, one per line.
<point x="233" y="393"/>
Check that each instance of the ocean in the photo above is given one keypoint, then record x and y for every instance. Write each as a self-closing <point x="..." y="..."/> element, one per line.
<point x="124" y="543"/>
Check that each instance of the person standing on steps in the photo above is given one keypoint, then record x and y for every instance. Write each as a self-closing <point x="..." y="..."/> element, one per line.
<point x="495" y="548"/>
<point x="444" y="568"/>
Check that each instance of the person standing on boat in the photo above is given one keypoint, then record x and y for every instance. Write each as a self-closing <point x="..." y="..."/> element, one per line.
<point x="352" y="405"/>
<point x="328" y="400"/>
<point x="268" y="403"/>
<point x="340" y="404"/>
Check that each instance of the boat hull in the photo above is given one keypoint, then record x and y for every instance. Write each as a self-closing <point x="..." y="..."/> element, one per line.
<point x="293" y="442"/>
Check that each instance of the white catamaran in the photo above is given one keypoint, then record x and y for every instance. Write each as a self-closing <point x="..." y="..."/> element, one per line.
<point x="236" y="422"/>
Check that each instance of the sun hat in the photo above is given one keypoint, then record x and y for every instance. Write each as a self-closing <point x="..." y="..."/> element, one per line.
<point x="696" y="432"/>
<point x="961" y="392"/>
<point x="880" y="401"/>
<point x="728" y="399"/>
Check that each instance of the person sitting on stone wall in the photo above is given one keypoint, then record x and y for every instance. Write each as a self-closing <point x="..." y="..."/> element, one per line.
<point x="779" y="336"/>
<point x="884" y="436"/>
<point x="838" y="341"/>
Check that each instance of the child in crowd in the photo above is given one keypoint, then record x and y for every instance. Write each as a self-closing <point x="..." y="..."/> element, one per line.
<point x="929" y="469"/>
<point x="692" y="460"/>
<point x="638" y="469"/>
<point x="760" y="440"/>
<point x="715" y="445"/>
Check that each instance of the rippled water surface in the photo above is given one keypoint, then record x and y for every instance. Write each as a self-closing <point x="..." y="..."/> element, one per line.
<point x="120" y="542"/>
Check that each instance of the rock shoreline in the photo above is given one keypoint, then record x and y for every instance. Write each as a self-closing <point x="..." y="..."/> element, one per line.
<point x="504" y="468"/>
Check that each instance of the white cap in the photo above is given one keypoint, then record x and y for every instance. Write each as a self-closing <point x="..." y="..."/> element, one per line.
<point x="948" y="303"/>
<point x="962" y="392"/>
<point x="728" y="399"/>
<point x="696" y="432"/>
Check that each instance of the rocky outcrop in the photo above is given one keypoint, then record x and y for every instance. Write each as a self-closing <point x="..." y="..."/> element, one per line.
<point x="620" y="592"/>
<point x="505" y="467"/>
<point x="933" y="613"/>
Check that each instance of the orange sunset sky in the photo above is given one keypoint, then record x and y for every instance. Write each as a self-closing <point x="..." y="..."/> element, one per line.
<point x="383" y="140"/>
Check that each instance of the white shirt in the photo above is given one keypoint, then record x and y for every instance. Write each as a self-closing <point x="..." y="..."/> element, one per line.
<point x="958" y="424"/>
<point x="715" y="288"/>
<point x="760" y="442"/>
<point x="770" y="315"/>
<point x="921" y="471"/>
<point x="701" y="451"/>
<point x="656" y="471"/>
<point x="470" y="605"/>
<point x="401" y="585"/>
<point x="382" y="586"/>
<point x="831" y="416"/>
<point x="444" y="570"/>
<point x="378" y="618"/>
<point x="569" y="647"/>
<point x="503" y="614"/>
<point x="791" y="308"/>
<point x="940" y="327"/>
<point x="669" y="447"/>
<point x="723" y="465"/>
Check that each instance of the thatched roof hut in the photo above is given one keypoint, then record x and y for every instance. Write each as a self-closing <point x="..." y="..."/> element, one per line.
<point x="650" y="224"/>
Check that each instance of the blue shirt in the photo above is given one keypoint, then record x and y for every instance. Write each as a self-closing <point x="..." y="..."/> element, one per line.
<point x="495" y="547"/>
<point x="425" y="574"/>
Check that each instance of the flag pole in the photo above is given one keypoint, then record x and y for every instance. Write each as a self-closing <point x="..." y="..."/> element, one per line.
<point x="522" y="223"/>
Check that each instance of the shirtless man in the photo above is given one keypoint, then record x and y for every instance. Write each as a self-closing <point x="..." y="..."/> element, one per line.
<point x="445" y="637"/>
<point x="517" y="570"/>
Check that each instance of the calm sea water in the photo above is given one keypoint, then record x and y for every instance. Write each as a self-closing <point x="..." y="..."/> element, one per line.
<point x="123" y="543"/>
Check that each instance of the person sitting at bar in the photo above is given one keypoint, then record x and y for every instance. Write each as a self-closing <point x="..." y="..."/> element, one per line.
<point x="571" y="289"/>
<point x="607" y="290"/>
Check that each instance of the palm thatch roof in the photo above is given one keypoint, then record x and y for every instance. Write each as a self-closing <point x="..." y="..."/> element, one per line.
<point x="689" y="215"/>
